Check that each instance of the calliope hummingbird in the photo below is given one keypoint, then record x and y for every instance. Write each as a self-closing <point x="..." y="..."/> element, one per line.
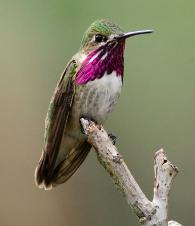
<point x="89" y="87"/>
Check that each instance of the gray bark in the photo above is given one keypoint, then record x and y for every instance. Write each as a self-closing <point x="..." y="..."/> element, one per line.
<point x="150" y="213"/>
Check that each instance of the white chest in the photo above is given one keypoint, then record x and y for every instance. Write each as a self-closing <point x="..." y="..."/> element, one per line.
<point x="111" y="82"/>
<point x="100" y="96"/>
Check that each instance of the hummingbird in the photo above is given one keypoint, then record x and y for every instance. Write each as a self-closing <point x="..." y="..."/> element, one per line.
<point x="89" y="87"/>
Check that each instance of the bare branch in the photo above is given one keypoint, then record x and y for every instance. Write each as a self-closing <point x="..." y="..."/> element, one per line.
<point x="164" y="172"/>
<point x="149" y="213"/>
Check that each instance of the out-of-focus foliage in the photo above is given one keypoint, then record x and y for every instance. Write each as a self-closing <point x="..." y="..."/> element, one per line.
<point x="156" y="109"/>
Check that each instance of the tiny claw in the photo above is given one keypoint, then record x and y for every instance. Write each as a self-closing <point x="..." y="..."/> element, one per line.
<point x="113" y="138"/>
<point x="89" y="120"/>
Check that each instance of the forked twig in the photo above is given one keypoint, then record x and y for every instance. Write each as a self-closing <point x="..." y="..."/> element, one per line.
<point x="149" y="212"/>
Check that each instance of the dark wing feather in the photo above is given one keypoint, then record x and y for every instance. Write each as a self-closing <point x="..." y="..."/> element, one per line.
<point x="67" y="168"/>
<point x="56" y="120"/>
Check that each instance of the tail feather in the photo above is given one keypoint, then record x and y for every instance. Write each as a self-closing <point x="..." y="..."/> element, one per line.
<point x="63" y="171"/>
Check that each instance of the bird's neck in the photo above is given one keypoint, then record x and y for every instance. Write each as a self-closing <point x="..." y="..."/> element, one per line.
<point x="100" y="62"/>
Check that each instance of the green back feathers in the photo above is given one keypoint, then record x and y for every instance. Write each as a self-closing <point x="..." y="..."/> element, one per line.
<point x="104" y="27"/>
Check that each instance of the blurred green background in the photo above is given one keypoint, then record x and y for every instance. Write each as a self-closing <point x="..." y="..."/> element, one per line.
<point x="156" y="109"/>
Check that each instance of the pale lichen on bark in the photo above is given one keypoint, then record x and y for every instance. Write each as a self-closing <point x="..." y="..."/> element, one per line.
<point x="149" y="212"/>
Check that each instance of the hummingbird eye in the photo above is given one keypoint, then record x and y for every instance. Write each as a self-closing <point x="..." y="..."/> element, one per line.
<point x="100" y="38"/>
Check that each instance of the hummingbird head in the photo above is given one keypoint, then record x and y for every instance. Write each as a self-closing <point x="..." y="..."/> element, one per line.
<point x="104" y="31"/>
<point x="99" y="33"/>
<point x="103" y="46"/>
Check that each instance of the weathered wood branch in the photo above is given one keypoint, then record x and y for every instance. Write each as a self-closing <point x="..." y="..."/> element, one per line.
<point x="149" y="212"/>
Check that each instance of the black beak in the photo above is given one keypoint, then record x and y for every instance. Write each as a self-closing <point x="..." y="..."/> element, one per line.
<point x="132" y="33"/>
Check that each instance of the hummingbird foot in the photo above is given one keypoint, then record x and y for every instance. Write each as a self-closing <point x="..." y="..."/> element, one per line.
<point x="88" y="119"/>
<point x="113" y="138"/>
